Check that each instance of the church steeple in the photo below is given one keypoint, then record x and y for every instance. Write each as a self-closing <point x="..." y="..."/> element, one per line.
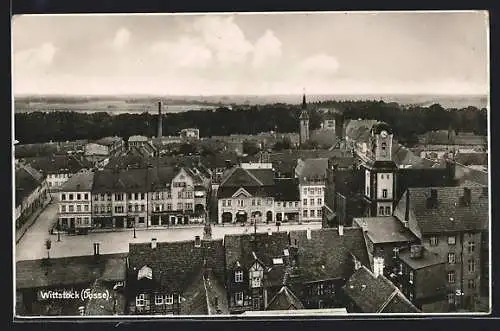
<point x="304" y="103"/>
<point x="304" y="121"/>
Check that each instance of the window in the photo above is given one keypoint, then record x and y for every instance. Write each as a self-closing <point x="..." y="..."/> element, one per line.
<point x="395" y="252"/>
<point x="86" y="196"/>
<point x="238" y="276"/>
<point x="384" y="193"/>
<point x="109" y="196"/>
<point x="241" y="203"/>
<point x="140" y="300"/>
<point x="311" y="202"/>
<point x="119" y="209"/>
<point x="130" y="207"/>
<point x="311" y="191"/>
<point x="78" y="208"/>
<point x="157" y="195"/>
<point x="96" y="197"/>
<point x="223" y="203"/>
<point x="159" y="299"/>
<point x="189" y="206"/>
<point x="179" y="195"/>
<point x="433" y="241"/>
<point x="451" y="277"/>
<point x="320" y="289"/>
<point x="118" y="197"/>
<point x="384" y="146"/>
<point x="304" y="203"/>
<point x="253" y="202"/>
<point x="452" y="240"/>
<point x="78" y="196"/>
<point x="179" y="206"/>
<point x="471" y="265"/>
<point x="229" y="203"/>
<point x="451" y="258"/>
<point x="102" y="197"/>
<point x="410" y="277"/>
<point x="305" y="191"/>
<point x="471" y="246"/>
<point x="451" y="298"/>
<point x="471" y="283"/>
<point x="238" y="297"/>
<point x="63" y="209"/>
<point x="142" y="196"/>
<point x="320" y="213"/>
<point x="63" y="197"/>
<point x="388" y="210"/>
<point x="381" y="210"/>
<point x="143" y="207"/>
<point x="108" y="208"/>
<point x="304" y="213"/>
<point x="411" y="296"/>
<point x="278" y="204"/>
<point x="169" y="299"/>
<point x="71" y="208"/>
<point x="320" y="201"/>
<point x="169" y="206"/>
<point x="296" y="204"/>
<point x="71" y="197"/>
<point x="96" y="209"/>
<point x="312" y="213"/>
<point x="258" y="202"/>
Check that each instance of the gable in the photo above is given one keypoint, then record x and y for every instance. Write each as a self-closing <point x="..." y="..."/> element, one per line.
<point x="240" y="177"/>
<point x="257" y="267"/>
<point x="241" y="193"/>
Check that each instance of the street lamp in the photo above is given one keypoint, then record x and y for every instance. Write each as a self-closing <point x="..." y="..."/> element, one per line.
<point x="134" y="230"/>
<point x="58" y="232"/>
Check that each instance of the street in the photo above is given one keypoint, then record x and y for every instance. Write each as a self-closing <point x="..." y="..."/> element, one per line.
<point x="32" y="245"/>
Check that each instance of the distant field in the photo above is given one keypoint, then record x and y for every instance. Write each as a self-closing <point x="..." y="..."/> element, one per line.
<point x="176" y="104"/>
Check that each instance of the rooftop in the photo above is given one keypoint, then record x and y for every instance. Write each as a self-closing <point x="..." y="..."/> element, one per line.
<point x="108" y="141"/>
<point x="284" y="300"/>
<point x="385" y="229"/>
<point x="287" y="189"/>
<point x="81" y="181"/>
<point x="425" y="260"/>
<point x="25" y="184"/>
<point x="312" y="168"/>
<point x="137" y="138"/>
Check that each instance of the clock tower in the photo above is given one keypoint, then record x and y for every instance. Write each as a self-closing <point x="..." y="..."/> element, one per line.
<point x="304" y="122"/>
<point x="380" y="173"/>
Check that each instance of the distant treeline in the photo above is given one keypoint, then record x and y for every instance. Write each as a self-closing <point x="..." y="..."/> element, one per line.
<point x="407" y="122"/>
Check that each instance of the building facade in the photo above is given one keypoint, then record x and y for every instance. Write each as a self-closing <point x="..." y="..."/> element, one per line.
<point x="75" y="203"/>
<point x="312" y="178"/>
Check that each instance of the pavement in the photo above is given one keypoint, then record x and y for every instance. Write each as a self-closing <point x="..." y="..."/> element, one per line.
<point x="31" y="221"/>
<point x="32" y="245"/>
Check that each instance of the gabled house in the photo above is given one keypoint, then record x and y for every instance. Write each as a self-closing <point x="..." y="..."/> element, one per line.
<point x="312" y="176"/>
<point x="250" y="258"/>
<point x="367" y="292"/>
<point x="321" y="262"/>
<point x="285" y="300"/>
<point x="168" y="277"/>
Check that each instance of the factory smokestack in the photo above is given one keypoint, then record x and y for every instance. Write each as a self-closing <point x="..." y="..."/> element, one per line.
<point x="160" y="125"/>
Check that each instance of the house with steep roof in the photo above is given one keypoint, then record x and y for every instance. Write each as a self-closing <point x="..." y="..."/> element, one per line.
<point x="321" y="263"/>
<point x="451" y="221"/>
<point x="171" y="277"/>
<point x="367" y="292"/>
<point x="38" y="282"/>
<point x="312" y="176"/>
<point x="285" y="300"/>
<point x="255" y="269"/>
<point x="30" y="193"/>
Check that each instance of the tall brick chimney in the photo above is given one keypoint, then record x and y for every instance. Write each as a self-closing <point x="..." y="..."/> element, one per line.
<point x="160" y="124"/>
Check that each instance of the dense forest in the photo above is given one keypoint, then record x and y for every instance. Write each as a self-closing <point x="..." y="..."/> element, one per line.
<point x="407" y="122"/>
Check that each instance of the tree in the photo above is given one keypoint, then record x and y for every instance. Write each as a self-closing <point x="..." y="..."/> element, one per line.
<point x="282" y="144"/>
<point x="250" y="147"/>
<point x="48" y="246"/>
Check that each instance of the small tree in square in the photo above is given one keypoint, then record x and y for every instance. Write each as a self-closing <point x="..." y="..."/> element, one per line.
<point x="48" y="245"/>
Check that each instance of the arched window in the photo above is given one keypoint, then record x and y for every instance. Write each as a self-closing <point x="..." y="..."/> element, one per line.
<point x="384" y="146"/>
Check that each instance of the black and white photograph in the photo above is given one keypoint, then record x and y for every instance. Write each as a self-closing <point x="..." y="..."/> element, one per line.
<point x="251" y="165"/>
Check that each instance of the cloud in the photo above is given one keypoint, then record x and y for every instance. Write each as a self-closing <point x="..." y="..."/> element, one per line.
<point x="224" y="38"/>
<point x="186" y="52"/>
<point x="267" y="47"/>
<point x="121" y="39"/>
<point x="321" y="64"/>
<point x="35" y="59"/>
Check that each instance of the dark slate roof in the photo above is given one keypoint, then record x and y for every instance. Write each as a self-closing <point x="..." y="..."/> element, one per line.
<point x="256" y="182"/>
<point x="472" y="158"/>
<point x="427" y="259"/>
<point x="328" y="255"/>
<point x="130" y="180"/>
<point x="359" y="130"/>
<point x="287" y="189"/>
<point x="161" y="177"/>
<point x="240" y="248"/>
<point x="25" y="184"/>
<point x="56" y="164"/>
<point x="423" y="178"/>
<point x="463" y="173"/>
<point x="375" y="294"/>
<point x="284" y="300"/>
<point x="385" y="229"/>
<point x="82" y="181"/>
<point x="105" y="306"/>
<point x="70" y="271"/>
<point x="176" y="265"/>
<point x="276" y="275"/>
<point x="35" y="150"/>
<point x="437" y="220"/>
<point x="312" y="168"/>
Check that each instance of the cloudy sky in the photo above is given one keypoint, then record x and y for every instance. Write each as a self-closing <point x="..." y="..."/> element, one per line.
<point x="330" y="53"/>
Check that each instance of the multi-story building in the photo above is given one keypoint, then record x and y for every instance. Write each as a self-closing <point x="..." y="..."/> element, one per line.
<point x="246" y="194"/>
<point x="252" y="261"/>
<point x="286" y="199"/>
<point x="451" y="221"/>
<point x="190" y="133"/>
<point x="31" y="193"/>
<point x="137" y="141"/>
<point x="421" y="276"/>
<point x="75" y="203"/>
<point x="312" y="176"/>
<point x="115" y="145"/>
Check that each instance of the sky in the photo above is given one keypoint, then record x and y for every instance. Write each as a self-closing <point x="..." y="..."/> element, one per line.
<point x="216" y="54"/>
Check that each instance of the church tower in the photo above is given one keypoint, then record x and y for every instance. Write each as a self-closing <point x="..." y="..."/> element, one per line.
<point x="304" y="122"/>
<point x="380" y="172"/>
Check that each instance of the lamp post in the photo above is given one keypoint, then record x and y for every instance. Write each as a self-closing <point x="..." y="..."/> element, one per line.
<point x="134" y="230"/>
<point x="58" y="232"/>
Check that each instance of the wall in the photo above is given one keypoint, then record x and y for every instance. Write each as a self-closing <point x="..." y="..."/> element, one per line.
<point x="81" y="206"/>
<point x="314" y="192"/>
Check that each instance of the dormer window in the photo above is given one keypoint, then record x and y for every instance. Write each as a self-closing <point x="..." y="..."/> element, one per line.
<point x="145" y="272"/>
<point x="238" y="276"/>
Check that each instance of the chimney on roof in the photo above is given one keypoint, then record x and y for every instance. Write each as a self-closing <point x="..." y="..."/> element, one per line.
<point x="467" y="197"/>
<point x="309" y="234"/>
<point x="160" y="121"/>
<point x="197" y="241"/>
<point x="153" y="243"/>
<point x="432" y="200"/>
<point x="341" y="230"/>
<point x="378" y="266"/>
